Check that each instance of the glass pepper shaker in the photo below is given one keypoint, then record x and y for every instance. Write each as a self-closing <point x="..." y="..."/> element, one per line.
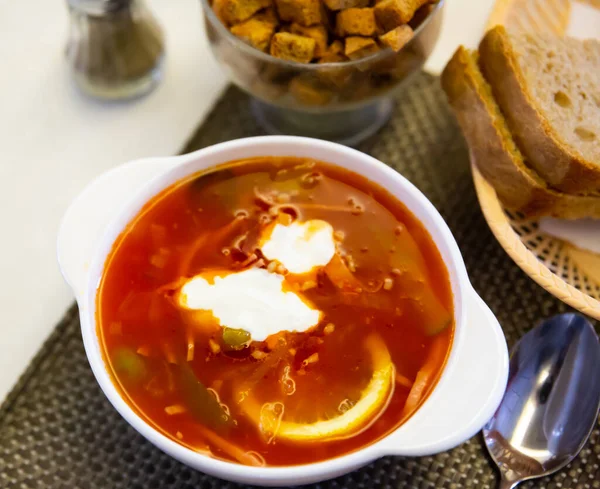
<point x="115" y="48"/>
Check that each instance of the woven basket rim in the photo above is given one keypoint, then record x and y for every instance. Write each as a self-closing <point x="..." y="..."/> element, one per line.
<point x="499" y="224"/>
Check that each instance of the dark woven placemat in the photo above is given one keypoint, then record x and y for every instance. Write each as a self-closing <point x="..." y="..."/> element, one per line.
<point x="58" y="431"/>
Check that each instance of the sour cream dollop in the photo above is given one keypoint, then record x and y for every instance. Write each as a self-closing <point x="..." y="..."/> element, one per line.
<point x="253" y="300"/>
<point x="301" y="246"/>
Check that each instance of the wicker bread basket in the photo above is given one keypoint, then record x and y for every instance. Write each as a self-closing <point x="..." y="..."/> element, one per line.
<point x="570" y="274"/>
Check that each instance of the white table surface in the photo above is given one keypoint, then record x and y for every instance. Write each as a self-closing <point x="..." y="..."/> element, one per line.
<point x="53" y="141"/>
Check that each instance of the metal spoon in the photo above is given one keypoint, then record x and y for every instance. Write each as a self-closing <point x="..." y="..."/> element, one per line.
<point x="551" y="401"/>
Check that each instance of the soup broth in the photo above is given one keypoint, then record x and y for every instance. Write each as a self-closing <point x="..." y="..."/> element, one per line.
<point x="338" y="355"/>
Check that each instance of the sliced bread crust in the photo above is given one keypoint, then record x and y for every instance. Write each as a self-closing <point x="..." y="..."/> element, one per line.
<point x="556" y="161"/>
<point x="494" y="151"/>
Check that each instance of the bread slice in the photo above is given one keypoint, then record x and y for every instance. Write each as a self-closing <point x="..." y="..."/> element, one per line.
<point x="549" y="90"/>
<point x="495" y="152"/>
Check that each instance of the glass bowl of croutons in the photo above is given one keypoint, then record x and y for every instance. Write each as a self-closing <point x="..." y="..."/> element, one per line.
<point x="322" y="68"/>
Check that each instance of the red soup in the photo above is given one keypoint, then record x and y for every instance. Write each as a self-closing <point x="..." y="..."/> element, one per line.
<point x="275" y="311"/>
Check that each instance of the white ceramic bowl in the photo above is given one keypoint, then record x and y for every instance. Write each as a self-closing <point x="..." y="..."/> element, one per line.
<point x="467" y="393"/>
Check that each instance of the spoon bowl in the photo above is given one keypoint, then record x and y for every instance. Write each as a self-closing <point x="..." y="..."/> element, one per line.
<point x="551" y="402"/>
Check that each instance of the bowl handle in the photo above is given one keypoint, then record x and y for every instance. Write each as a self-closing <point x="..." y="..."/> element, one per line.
<point x="92" y="210"/>
<point x="467" y="395"/>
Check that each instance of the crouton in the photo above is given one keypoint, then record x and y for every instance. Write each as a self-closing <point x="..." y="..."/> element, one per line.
<point x="356" y="22"/>
<point x="359" y="47"/>
<point x="336" y="47"/>
<point x="342" y="4"/>
<point x="337" y="77"/>
<point x="256" y="31"/>
<point x="293" y="47"/>
<point x="235" y="11"/>
<point x="303" y="12"/>
<point x="333" y="58"/>
<point x="268" y="15"/>
<point x="309" y="91"/>
<point x="394" y="13"/>
<point x="397" y="38"/>
<point x="316" y="32"/>
<point x="273" y="80"/>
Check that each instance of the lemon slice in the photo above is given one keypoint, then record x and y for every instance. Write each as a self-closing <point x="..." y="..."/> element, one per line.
<point x="373" y="400"/>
